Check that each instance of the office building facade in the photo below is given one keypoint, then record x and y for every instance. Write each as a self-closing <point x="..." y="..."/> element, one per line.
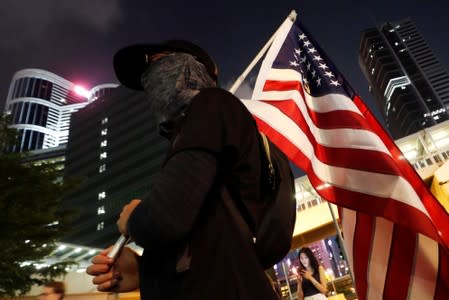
<point x="115" y="148"/>
<point x="409" y="84"/>
<point x="40" y="104"/>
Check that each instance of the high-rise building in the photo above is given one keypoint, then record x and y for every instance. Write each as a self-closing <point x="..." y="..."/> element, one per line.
<point x="409" y="84"/>
<point x="115" y="147"/>
<point x="41" y="103"/>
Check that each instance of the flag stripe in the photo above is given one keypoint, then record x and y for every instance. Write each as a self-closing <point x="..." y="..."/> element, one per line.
<point x="336" y="138"/>
<point x="362" y="237"/>
<point x="379" y="183"/>
<point x="374" y="205"/>
<point x="362" y="159"/>
<point x="379" y="256"/>
<point x="320" y="104"/>
<point x="439" y="216"/>
<point x="424" y="275"/>
<point x="348" y="228"/>
<point x="349" y="137"/>
<point x="442" y="288"/>
<point x="400" y="265"/>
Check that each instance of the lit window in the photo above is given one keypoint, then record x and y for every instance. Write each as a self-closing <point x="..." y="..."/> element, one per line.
<point x="100" y="226"/>
<point x="104" y="132"/>
<point x="100" y="210"/>
<point x="104" y="143"/>
<point x="101" y="195"/>
<point x="102" y="168"/>
<point x="103" y="155"/>
<point x="104" y="121"/>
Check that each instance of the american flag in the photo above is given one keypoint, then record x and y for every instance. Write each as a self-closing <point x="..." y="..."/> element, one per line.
<point x="395" y="232"/>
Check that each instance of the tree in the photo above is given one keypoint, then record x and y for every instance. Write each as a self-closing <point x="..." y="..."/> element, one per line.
<point x="31" y="219"/>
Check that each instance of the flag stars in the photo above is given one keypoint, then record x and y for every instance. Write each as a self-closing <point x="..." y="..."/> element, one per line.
<point x="311" y="50"/>
<point x="298" y="51"/>
<point x="307" y="44"/>
<point x="308" y="66"/>
<point x="318" y="81"/>
<point x="317" y="58"/>
<point x="322" y="66"/>
<point x="294" y="63"/>
<point x="301" y="36"/>
<point x="302" y="59"/>
<point x="313" y="73"/>
<point x="335" y="82"/>
<point x="329" y="74"/>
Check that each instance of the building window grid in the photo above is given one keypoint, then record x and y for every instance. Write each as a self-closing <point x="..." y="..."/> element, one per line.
<point x="102" y="195"/>
<point x="100" y="226"/>
<point x="101" y="210"/>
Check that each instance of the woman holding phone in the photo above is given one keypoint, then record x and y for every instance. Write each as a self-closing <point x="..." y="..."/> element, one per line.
<point x="311" y="279"/>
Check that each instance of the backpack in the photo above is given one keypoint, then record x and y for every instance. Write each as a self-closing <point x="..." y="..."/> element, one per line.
<point x="273" y="235"/>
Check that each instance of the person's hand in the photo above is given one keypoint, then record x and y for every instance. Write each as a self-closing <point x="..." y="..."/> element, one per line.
<point x="119" y="276"/>
<point x="306" y="274"/>
<point x="124" y="215"/>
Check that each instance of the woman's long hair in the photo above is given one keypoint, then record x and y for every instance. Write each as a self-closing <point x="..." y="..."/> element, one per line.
<point x="312" y="259"/>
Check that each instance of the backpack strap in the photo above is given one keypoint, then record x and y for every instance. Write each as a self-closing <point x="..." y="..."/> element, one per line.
<point x="236" y="214"/>
<point x="272" y="181"/>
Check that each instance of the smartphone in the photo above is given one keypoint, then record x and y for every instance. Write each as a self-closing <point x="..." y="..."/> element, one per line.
<point x="119" y="244"/>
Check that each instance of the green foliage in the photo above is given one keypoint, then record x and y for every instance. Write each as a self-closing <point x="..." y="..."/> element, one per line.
<point x="31" y="219"/>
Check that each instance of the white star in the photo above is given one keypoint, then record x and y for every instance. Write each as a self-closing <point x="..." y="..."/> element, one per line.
<point x="318" y="81"/>
<point x="311" y="50"/>
<point x="322" y="66"/>
<point x="329" y="74"/>
<point x="317" y="58"/>
<point x="294" y="63"/>
<point x="301" y="36"/>
<point x="307" y="43"/>
<point x="313" y="73"/>
<point x="305" y="81"/>
<point x="308" y="66"/>
<point x="303" y="60"/>
<point x="298" y="51"/>
<point x="335" y="82"/>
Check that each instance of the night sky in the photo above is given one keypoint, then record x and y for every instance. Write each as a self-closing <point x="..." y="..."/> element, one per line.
<point x="77" y="39"/>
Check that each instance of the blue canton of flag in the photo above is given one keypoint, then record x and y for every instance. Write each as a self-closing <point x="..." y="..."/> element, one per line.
<point x="301" y="53"/>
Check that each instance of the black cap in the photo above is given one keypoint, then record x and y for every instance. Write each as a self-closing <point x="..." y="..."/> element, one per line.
<point x="130" y="62"/>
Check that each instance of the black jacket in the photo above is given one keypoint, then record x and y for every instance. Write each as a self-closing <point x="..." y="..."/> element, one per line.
<point x="217" y="147"/>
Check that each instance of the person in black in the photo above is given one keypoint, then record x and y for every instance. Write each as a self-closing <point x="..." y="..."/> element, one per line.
<point x="193" y="248"/>
<point x="311" y="279"/>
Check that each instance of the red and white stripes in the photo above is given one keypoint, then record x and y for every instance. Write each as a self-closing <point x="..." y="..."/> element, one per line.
<point x="396" y="233"/>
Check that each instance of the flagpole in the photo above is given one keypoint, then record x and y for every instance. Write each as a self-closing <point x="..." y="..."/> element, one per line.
<point x="261" y="53"/>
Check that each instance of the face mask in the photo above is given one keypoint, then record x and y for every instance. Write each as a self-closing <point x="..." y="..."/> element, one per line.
<point x="170" y="83"/>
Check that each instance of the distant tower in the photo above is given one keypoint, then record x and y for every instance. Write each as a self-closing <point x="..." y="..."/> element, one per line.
<point x="409" y="84"/>
<point x="41" y="103"/>
<point x="115" y="147"/>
